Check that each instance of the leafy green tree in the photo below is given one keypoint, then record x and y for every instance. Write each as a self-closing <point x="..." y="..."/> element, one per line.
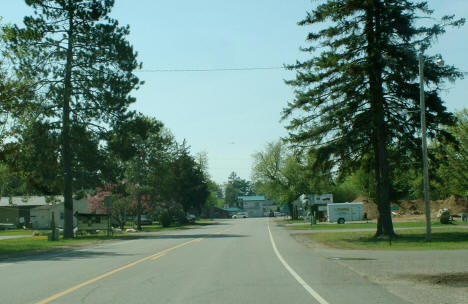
<point x="283" y="175"/>
<point x="15" y="92"/>
<point x="359" y="92"/>
<point x="35" y="157"/>
<point x="451" y="160"/>
<point x="82" y="65"/>
<point x="236" y="187"/>
<point x="215" y="194"/>
<point x="188" y="183"/>
<point x="137" y="141"/>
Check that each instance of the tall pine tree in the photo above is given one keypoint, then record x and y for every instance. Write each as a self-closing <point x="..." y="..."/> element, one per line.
<point x="83" y="67"/>
<point x="359" y="93"/>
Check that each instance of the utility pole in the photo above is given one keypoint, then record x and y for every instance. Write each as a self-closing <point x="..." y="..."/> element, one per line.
<point x="424" y="147"/>
<point x="139" y="191"/>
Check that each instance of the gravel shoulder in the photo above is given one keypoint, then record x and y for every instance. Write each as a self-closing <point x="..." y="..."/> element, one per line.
<point x="430" y="277"/>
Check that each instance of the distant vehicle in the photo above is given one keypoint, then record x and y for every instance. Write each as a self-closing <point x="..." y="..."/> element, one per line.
<point x="145" y="220"/>
<point x="191" y="217"/>
<point x="240" y="215"/>
<point x="271" y="214"/>
<point x="343" y="212"/>
<point x="278" y="213"/>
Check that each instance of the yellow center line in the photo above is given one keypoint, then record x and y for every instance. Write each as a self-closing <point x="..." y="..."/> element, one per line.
<point x="158" y="256"/>
<point x="107" y="274"/>
<point x="224" y="230"/>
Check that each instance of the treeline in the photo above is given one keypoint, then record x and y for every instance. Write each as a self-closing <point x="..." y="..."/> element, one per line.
<point x="283" y="173"/>
<point x="66" y="78"/>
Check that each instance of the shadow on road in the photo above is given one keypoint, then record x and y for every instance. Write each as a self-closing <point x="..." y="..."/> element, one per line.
<point x="67" y="253"/>
<point x="185" y="236"/>
<point x="61" y="255"/>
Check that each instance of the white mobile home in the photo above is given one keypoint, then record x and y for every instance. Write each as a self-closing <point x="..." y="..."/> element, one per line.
<point x="41" y="216"/>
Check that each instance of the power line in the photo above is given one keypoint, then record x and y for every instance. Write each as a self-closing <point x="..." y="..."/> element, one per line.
<point x="213" y="69"/>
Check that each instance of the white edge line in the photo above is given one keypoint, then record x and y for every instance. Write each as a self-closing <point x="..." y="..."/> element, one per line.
<point x="306" y="286"/>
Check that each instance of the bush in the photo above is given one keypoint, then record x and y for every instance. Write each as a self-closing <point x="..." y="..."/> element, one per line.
<point x="165" y="218"/>
<point x="179" y="216"/>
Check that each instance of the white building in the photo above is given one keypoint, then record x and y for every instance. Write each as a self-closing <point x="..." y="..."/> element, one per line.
<point x="41" y="216"/>
<point x="257" y="205"/>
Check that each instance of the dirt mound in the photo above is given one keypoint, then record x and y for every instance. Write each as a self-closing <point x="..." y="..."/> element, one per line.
<point x="411" y="207"/>
<point x="369" y="207"/>
<point x="456" y="204"/>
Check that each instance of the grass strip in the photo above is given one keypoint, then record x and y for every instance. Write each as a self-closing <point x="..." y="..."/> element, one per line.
<point x="370" y="225"/>
<point x="442" y="239"/>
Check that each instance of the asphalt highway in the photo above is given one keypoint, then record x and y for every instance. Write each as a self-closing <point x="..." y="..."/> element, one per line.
<point x="235" y="261"/>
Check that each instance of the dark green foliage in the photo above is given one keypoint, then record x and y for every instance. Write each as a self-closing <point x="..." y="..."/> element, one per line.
<point x="236" y="187"/>
<point x="187" y="181"/>
<point x="165" y="218"/>
<point x="451" y="160"/>
<point x="81" y="66"/>
<point x="359" y="93"/>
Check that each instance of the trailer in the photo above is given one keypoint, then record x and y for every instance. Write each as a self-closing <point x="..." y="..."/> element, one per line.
<point x="344" y="212"/>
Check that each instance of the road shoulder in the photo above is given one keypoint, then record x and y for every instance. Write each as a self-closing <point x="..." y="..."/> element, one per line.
<point x="419" y="276"/>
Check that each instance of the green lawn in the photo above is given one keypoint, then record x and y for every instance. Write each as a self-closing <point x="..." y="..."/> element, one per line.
<point x="12" y="247"/>
<point x="292" y="221"/>
<point x="443" y="238"/>
<point x="370" y="225"/>
<point x="30" y="244"/>
<point x="157" y="228"/>
<point x="21" y="232"/>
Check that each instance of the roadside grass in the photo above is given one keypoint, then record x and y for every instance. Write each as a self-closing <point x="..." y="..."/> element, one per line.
<point x="19" y="246"/>
<point x="289" y="221"/>
<point x="205" y="220"/>
<point x="9" y="232"/>
<point x="333" y="226"/>
<point x="158" y="228"/>
<point x="36" y="244"/>
<point x="412" y="239"/>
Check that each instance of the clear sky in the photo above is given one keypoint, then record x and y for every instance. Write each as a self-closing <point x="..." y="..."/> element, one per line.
<point x="232" y="114"/>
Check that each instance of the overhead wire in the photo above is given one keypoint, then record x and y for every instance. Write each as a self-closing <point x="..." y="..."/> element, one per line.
<point x="213" y="69"/>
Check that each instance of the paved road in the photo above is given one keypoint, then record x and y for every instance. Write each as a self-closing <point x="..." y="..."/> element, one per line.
<point x="237" y="261"/>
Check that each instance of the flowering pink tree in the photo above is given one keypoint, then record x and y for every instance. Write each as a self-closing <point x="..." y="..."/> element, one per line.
<point x="120" y="203"/>
<point x="96" y="202"/>
<point x="124" y="202"/>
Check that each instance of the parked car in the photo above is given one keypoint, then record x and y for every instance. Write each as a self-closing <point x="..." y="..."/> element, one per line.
<point x="145" y="220"/>
<point x="240" y="215"/>
<point x="191" y="218"/>
<point x="271" y="214"/>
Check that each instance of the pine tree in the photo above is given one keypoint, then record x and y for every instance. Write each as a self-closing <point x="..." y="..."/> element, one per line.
<point x="82" y="66"/>
<point x="359" y="93"/>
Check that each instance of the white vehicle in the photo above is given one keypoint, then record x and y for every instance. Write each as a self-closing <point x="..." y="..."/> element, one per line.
<point x="344" y="212"/>
<point x="240" y="215"/>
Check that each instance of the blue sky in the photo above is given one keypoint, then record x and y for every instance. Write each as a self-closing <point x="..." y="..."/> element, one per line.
<point x="232" y="114"/>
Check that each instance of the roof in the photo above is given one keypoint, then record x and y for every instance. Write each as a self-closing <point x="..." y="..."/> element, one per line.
<point x="232" y="209"/>
<point x="252" y="198"/>
<point x="29" y="200"/>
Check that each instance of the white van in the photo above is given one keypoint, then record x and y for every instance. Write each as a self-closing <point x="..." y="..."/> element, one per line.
<point x="344" y="212"/>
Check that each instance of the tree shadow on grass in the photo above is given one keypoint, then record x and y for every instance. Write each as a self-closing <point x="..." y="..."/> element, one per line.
<point x="418" y="237"/>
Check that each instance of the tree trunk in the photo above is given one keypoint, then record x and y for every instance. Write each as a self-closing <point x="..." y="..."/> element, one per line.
<point x="377" y="101"/>
<point x="67" y="165"/>
<point x="291" y="211"/>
